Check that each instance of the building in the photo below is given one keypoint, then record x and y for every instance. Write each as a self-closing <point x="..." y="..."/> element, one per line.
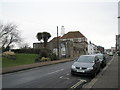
<point x="71" y="44"/>
<point x="92" y="48"/>
<point x="100" y="49"/>
<point x="37" y="45"/>
<point x="113" y="49"/>
<point x="54" y="45"/>
<point x="74" y="44"/>
<point x="118" y="42"/>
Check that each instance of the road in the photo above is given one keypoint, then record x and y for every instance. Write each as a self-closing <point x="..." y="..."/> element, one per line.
<point x="52" y="76"/>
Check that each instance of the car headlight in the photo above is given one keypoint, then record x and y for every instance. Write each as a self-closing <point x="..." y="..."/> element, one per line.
<point x="73" y="67"/>
<point x="90" y="68"/>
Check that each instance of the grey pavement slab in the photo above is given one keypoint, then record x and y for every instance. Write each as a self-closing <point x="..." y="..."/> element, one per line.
<point x="109" y="78"/>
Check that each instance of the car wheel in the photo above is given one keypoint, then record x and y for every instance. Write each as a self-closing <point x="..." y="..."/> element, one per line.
<point x="72" y="73"/>
<point x="105" y="65"/>
<point x="94" y="74"/>
<point x="99" y="70"/>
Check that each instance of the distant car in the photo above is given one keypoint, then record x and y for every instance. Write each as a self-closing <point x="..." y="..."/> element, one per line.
<point x="110" y="54"/>
<point x="86" y="65"/>
<point x="118" y="53"/>
<point x="102" y="60"/>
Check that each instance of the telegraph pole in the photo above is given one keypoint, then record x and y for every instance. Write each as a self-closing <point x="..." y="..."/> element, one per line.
<point x="57" y="43"/>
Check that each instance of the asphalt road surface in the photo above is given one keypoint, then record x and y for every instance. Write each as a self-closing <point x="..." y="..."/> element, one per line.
<point x="51" y="76"/>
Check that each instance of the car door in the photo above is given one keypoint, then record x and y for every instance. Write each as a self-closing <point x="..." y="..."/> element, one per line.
<point x="97" y="62"/>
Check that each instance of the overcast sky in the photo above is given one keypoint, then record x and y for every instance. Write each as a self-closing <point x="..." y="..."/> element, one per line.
<point x="95" y="19"/>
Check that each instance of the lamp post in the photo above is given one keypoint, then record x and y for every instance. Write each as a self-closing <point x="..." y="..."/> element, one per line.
<point x="57" y="43"/>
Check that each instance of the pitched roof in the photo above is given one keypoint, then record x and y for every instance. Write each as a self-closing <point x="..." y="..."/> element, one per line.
<point x="55" y="39"/>
<point x="73" y="34"/>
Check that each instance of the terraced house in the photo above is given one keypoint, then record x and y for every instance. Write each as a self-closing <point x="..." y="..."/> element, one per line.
<point x="71" y="44"/>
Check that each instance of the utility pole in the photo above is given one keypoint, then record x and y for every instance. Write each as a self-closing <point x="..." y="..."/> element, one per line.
<point x="57" y="43"/>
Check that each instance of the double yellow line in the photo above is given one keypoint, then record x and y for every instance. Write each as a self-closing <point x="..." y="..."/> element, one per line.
<point x="77" y="84"/>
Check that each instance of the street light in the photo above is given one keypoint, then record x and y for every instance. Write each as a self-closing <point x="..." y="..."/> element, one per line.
<point x="57" y="43"/>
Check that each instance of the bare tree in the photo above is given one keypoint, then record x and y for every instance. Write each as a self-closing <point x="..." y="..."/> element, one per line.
<point x="25" y="46"/>
<point x="9" y="35"/>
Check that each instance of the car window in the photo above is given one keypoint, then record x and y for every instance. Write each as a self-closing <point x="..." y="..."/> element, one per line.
<point x="86" y="59"/>
<point x="100" y="56"/>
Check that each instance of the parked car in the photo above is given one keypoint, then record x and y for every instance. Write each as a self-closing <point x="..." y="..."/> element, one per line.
<point x="86" y="65"/>
<point x="102" y="60"/>
<point x="118" y="53"/>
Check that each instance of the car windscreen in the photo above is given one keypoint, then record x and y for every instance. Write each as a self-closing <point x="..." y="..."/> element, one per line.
<point x="86" y="59"/>
<point x="100" y="56"/>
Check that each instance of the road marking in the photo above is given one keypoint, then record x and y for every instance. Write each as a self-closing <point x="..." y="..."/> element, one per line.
<point x="56" y="71"/>
<point x="77" y="84"/>
<point x="67" y="74"/>
<point x="30" y="70"/>
<point x="62" y="77"/>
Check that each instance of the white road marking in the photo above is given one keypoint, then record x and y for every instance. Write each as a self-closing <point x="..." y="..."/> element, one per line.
<point x="61" y="77"/>
<point x="68" y="74"/>
<point x="55" y="71"/>
<point x="65" y="77"/>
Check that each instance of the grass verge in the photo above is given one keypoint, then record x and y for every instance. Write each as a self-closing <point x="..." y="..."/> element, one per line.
<point x="21" y="59"/>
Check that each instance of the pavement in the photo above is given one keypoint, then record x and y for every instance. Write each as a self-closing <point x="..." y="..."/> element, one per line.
<point x="30" y="66"/>
<point x="107" y="78"/>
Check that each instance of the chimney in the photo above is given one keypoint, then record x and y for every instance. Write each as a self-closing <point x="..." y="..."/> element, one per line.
<point x="62" y="30"/>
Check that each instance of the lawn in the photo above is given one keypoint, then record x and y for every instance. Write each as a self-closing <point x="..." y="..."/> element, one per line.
<point x="21" y="59"/>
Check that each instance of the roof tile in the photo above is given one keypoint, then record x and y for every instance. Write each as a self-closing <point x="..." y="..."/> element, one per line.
<point x="73" y="34"/>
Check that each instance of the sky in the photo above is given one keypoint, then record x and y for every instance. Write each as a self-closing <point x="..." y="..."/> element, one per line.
<point x="95" y="19"/>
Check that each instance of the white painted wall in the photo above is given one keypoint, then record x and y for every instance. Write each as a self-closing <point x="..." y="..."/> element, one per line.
<point x="92" y="49"/>
<point x="63" y="51"/>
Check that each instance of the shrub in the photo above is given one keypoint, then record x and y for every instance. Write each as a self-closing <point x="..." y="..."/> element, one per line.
<point x="42" y="59"/>
<point x="30" y="51"/>
<point x="37" y="60"/>
<point x="52" y="56"/>
<point x="45" y="55"/>
<point x="9" y="54"/>
<point x="45" y="59"/>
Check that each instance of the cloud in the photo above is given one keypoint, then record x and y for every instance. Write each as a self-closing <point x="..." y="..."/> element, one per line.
<point x="96" y="20"/>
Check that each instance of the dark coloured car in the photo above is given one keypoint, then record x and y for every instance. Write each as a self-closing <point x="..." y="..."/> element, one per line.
<point x="102" y="60"/>
<point x="86" y="65"/>
<point x="118" y="53"/>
